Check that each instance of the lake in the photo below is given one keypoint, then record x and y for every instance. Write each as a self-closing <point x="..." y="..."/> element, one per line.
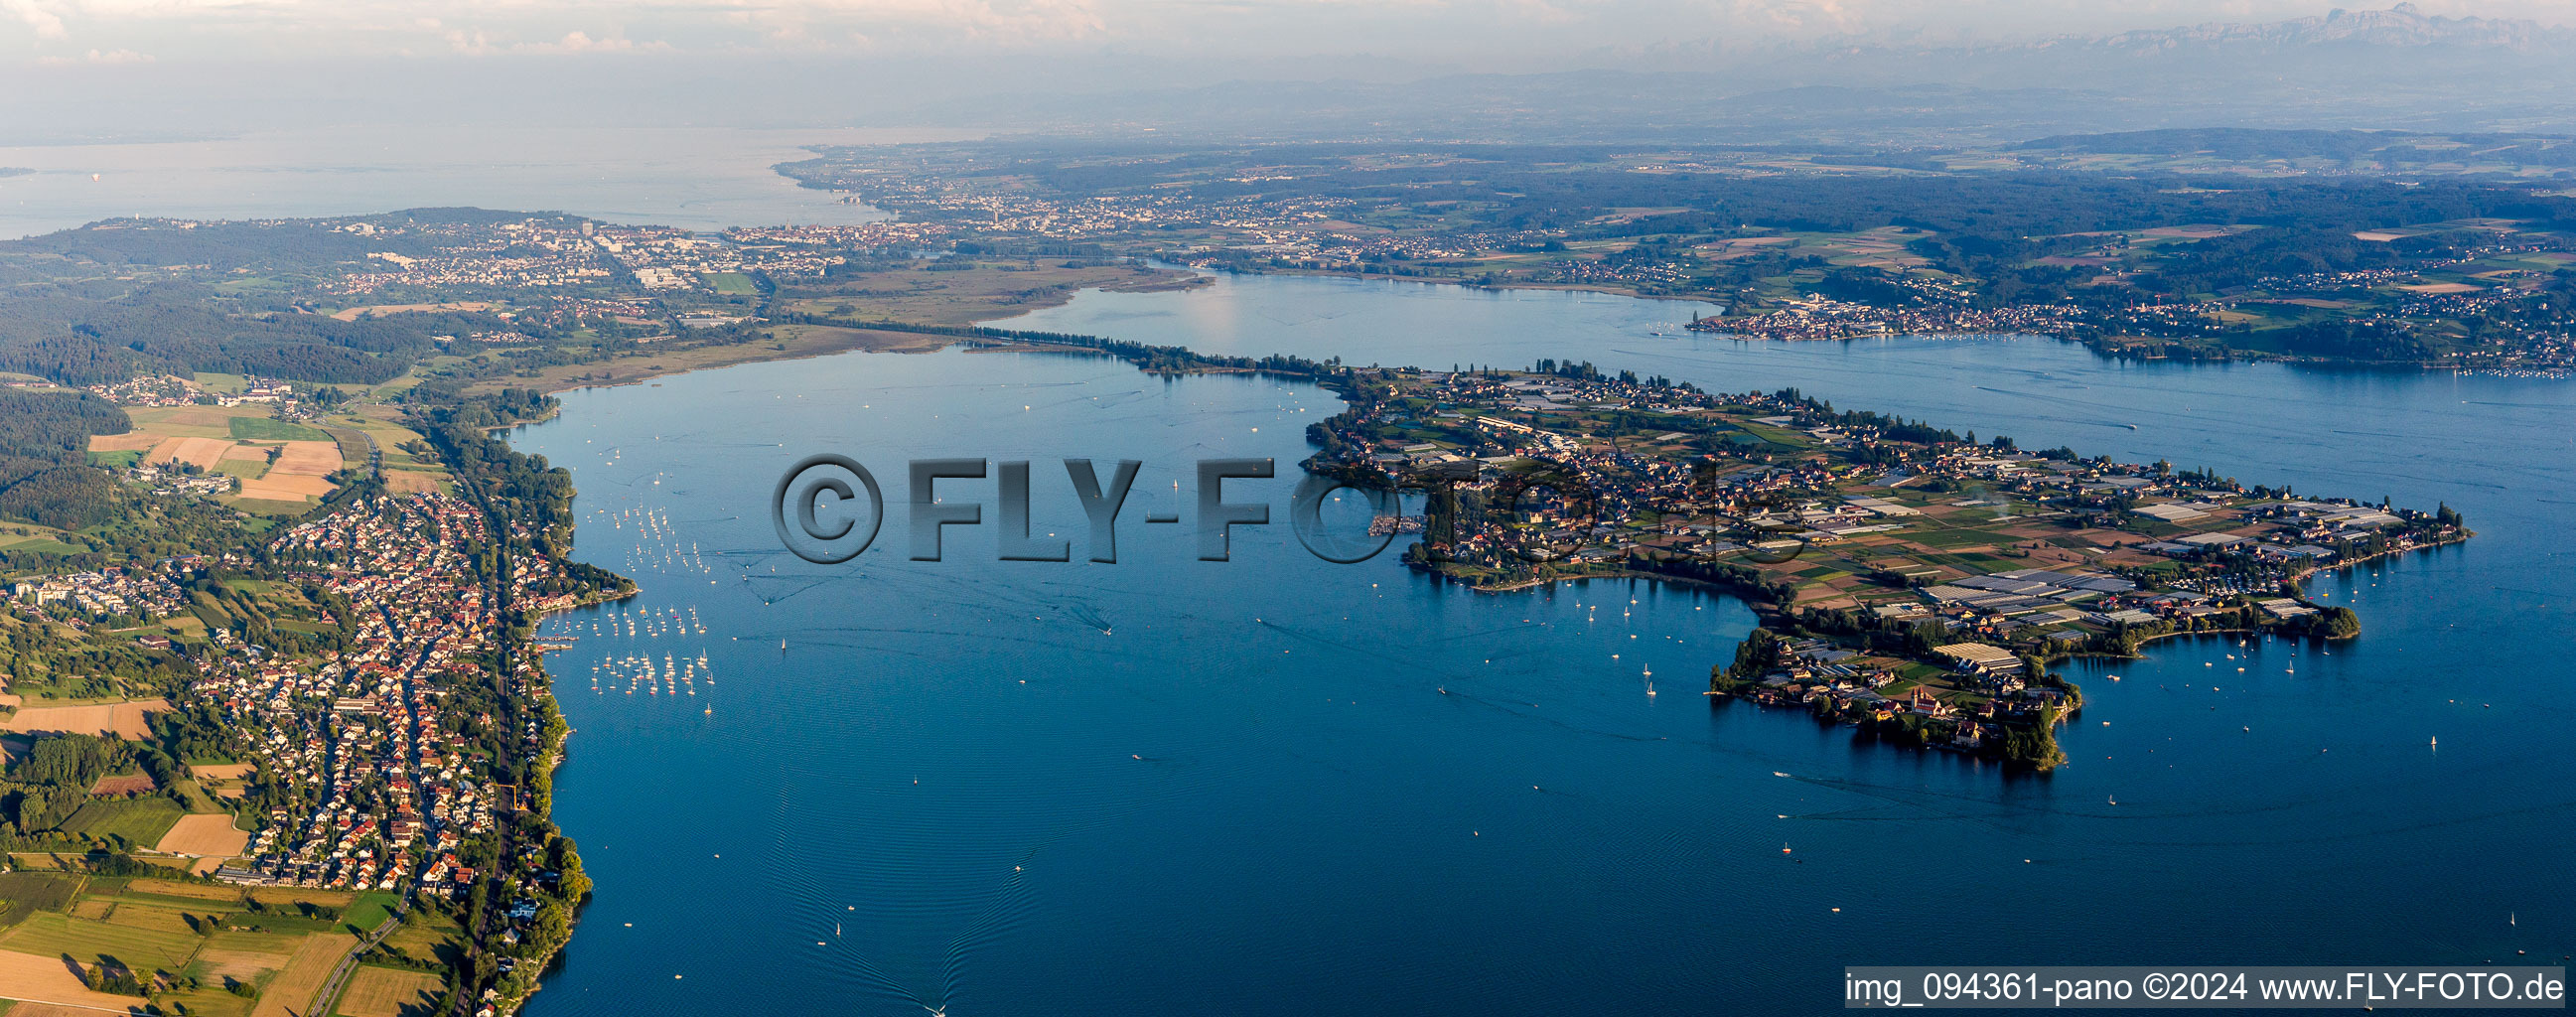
<point x="1274" y="785"/>
<point x="699" y="177"/>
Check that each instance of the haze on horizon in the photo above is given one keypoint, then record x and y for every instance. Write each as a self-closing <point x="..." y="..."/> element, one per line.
<point x="1466" y="35"/>
<point x="142" y="70"/>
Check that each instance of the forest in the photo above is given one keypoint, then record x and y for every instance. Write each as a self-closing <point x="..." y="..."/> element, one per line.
<point x="113" y="300"/>
<point x="45" y="476"/>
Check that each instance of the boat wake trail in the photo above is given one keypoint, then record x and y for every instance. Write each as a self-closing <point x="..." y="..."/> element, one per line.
<point x="1009" y="907"/>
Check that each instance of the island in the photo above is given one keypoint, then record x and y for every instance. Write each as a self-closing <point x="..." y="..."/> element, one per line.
<point x="1911" y="580"/>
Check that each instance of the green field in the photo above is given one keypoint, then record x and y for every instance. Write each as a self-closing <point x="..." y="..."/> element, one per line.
<point x="354" y="446"/>
<point x="264" y="429"/>
<point x="733" y="284"/>
<point x="139" y="822"/>
<point x="23" y="894"/>
<point x="272" y="508"/>
<point x="1953" y="538"/>
<point x="247" y="469"/>
<point x="368" y="911"/>
<point x="429" y="936"/>
<point x="50" y="934"/>
<point x="116" y="460"/>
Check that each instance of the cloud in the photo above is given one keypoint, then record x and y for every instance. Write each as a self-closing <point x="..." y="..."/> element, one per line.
<point x="479" y="43"/>
<point x="112" y="56"/>
<point x="48" y="25"/>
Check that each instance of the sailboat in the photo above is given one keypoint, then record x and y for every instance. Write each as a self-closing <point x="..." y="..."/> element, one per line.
<point x="2115" y="799"/>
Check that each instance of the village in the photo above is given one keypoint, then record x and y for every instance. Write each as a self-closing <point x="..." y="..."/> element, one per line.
<point x="366" y="769"/>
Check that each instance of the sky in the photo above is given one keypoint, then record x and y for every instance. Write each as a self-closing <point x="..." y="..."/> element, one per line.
<point x="1462" y="34"/>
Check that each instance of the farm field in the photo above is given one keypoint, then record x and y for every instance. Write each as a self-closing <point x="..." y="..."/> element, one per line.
<point x="390" y="992"/>
<point x="24" y="894"/>
<point x="187" y="929"/>
<point x="292" y="992"/>
<point x="234" y="440"/>
<point x="134" y="822"/>
<point x="122" y="720"/>
<point x="53" y="935"/>
<point x="211" y="835"/>
<point x="265" y="429"/>
<point x="38" y="980"/>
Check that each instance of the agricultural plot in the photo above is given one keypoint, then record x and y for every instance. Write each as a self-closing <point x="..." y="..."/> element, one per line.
<point x="137" y="822"/>
<point x="236" y="441"/>
<point x="291" y="993"/>
<point x="390" y="992"/>
<point x="244" y="956"/>
<point x="87" y="940"/>
<point x="120" y="720"/>
<point x="23" y="894"/>
<point x="266" y="429"/>
<point x="42" y="983"/>
<point x="202" y="453"/>
<point x="210" y="835"/>
<point x="298" y="473"/>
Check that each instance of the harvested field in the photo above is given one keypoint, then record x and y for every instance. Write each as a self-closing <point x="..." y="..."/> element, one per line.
<point x="388" y="992"/>
<point x="123" y="784"/>
<point x="310" y="458"/>
<point x="285" y="489"/>
<point x="245" y="955"/>
<point x="410" y="481"/>
<point x="132" y="441"/>
<point x="298" y="473"/>
<point x="199" y="891"/>
<point x="211" y="835"/>
<point x="203" y="452"/>
<point x="233" y="894"/>
<point x="48" y="980"/>
<point x="159" y="917"/>
<point x="34" y="1009"/>
<point x="353" y="313"/>
<point x="222" y="771"/>
<point x="291" y="995"/>
<point x="120" y="720"/>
